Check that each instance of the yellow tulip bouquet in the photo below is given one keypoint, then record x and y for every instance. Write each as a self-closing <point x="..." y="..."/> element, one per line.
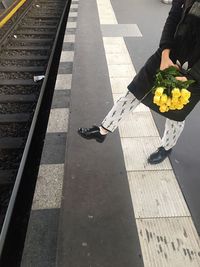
<point x="170" y="93"/>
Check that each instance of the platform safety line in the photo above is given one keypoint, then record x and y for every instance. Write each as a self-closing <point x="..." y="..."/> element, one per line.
<point x="11" y="13"/>
<point x="165" y="224"/>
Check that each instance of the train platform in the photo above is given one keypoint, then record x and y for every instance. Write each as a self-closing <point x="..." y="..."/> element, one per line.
<point x="103" y="205"/>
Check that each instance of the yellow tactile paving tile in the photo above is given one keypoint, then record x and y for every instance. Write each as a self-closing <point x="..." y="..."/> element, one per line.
<point x="113" y="59"/>
<point x="169" y="242"/>
<point x="138" y="124"/>
<point x="106" y="13"/>
<point x="119" y="85"/>
<point x="156" y="194"/>
<point x="121" y="71"/>
<point x="136" y="151"/>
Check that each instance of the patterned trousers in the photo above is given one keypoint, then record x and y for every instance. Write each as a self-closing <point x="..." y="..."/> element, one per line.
<point x="128" y="103"/>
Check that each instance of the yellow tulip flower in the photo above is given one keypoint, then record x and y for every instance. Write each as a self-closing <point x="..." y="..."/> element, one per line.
<point x="179" y="106"/>
<point x="184" y="100"/>
<point x="172" y="107"/>
<point x="163" y="99"/>
<point x="176" y="92"/>
<point x="163" y="108"/>
<point x="174" y="100"/>
<point x="156" y="99"/>
<point x="185" y="93"/>
<point x="169" y="100"/>
<point x="159" y="91"/>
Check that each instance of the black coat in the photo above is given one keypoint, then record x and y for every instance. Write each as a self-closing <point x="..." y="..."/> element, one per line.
<point x="144" y="80"/>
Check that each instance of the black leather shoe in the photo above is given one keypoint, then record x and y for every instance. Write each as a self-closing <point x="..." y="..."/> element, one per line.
<point x="92" y="133"/>
<point x="159" y="155"/>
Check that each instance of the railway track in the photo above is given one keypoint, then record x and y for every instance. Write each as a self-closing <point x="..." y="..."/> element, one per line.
<point x="24" y="59"/>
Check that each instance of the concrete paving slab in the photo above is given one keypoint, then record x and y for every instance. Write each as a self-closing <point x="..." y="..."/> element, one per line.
<point x="69" y="38"/>
<point x="41" y="239"/>
<point x="71" y="25"/>
<point x="54" y="148"/>
<point x="63" y="82"/>
<point x="48" y="190"/>
<point x="67" y="56"/>
<point x="65" y="67"/>
<point x="58" y="120"/>
<point x="73" y="14"/>
<point x="61" y="99"/>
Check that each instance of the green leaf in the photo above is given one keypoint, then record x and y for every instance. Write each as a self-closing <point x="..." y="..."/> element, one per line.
<point x="166" y="78"/>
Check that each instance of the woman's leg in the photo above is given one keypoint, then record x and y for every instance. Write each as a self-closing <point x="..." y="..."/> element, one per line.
<point x="121" y="108"/>
<point x="173" y="130"/>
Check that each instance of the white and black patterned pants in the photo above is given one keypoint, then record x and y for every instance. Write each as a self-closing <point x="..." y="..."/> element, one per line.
<point x="128" y="103"/>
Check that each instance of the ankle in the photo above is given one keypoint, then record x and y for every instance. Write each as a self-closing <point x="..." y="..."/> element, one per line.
<point x="103" y="131"/>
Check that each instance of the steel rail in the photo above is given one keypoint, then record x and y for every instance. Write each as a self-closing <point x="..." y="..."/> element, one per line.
<point x="30" y="135"/>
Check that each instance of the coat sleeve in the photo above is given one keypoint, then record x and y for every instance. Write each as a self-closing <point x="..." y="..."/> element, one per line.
<point x="174" y="17"/>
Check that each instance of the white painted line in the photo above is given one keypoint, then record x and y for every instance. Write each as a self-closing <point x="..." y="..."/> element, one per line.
<point x="114" y="41"/>
<point x="121" y="71"/>
<point x="115" y="49"/>
<point x="119" y="85"/>
<point x="58" y="120"/>
<point x="106" y="13"/>
<point x="124" y="30"/>
<point x="63" y="81"/>
<point x="113" y="59"/>
<point x="48" y="190"/>
<point x="115" y="45"/>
